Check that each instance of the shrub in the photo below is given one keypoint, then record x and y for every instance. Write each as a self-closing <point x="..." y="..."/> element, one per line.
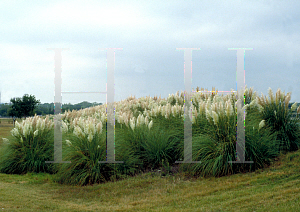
<point x="85" y="147"/>
<point x="216" y="144"/>
<point x="32" y="144"/>
<point x="278" y="118"/>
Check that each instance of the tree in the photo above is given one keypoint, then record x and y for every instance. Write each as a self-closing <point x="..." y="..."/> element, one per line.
<point x="23" y="107"/>
<point x="4" y="109"/>
<point x="29" y="104"/>
<point x="15" y="109"/>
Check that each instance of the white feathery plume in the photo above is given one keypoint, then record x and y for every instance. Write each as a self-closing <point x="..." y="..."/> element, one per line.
<point x="150" y="124"/>
<point x="39" y="124"/>
<point x="202" y="108"/>
<point x="215" y="117"/>
<point x="99" y="127"/>
<point x="64" y="127"/>
<point x="293" y="108"/>
<point x="261" y="124"/>
<point x="5" y="140"/>
<point x="220" y="108"/>
<point x="35" y="133"/>
<point x="271" y="95"/>
<point x="208" y="114"/>
<point x="141" y="120"/>
<point x="126" y="119"/>
<point x="78" y="132"/>
<point x="146" y="120"/>
<point x="90" y="137"/>
<point x="132" y="124"/>
<point x="173" y="109"/>
<point x="26" y="130"/>
<point x="282" y="95"/>
<point x="14" y="132"/>
<point x="277" y="99"/>
<point x="287" y="99"/>
<point x="68" y="143"/>
<point x="17" y="125"/>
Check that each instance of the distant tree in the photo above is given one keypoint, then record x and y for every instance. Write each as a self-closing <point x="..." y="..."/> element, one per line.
<point x="4" y="109"/>
<point x="15" y="110"/>
<point x="29" y="104"/>
<point x="41" y="109"/>
<point x="23" y="107"/>
<point x="44" y="109"/>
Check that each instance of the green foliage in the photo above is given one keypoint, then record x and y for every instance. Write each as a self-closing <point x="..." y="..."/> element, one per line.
<point x="18" y="157"/>
<point x="28" y="105"/>
<point x="128" y="149"/>
<point x="144" y="149"/>
<point x="15" y="110"/>
<point x="131" y="142"/>
<point x="215" y="152"/>
<point x="278" y="118"/>
<point x="79" y="106"/>
<point x="4" y="108"/>
<point x="214" y="144"/>
<point x="23" y="107"/>
<point x="84" y="168"/>
<point x="159" y="145"/>
<point x="46" y="108"/>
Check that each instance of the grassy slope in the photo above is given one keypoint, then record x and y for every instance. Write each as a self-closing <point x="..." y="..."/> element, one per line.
<point x="276" y="188"/>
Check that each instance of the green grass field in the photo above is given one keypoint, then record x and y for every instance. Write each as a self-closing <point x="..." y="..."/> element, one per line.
<point x="275" y="188"/>
<point x="6" y="126"/>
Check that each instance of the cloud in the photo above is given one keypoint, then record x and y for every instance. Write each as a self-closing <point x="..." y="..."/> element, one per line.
<point x="149" y="33"/>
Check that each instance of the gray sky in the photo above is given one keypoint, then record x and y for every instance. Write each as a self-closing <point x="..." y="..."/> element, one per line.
<point x="149" y="33"/>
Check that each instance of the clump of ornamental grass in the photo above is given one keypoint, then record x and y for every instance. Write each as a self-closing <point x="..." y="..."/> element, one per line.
<point x="30" y="145"/>
<point x="160" y="146"/>
<point x="216" y="144"/>
<point x="148" y="146"/>
<point x="278" y="117"/>
<point x="85" y="147"/>
<point x="127" y="143"/>
<point x="128" y="153"/>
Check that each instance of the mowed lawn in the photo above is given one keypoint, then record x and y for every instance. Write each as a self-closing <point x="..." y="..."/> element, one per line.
<point x="6" y="126"/>
<point x="275" y="188"/>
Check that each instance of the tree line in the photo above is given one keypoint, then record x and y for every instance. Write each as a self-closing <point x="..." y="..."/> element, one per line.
<point x="28" y="106"/>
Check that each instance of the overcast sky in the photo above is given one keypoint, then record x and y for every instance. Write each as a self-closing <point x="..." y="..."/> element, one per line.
<point x="149" y="33"/>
